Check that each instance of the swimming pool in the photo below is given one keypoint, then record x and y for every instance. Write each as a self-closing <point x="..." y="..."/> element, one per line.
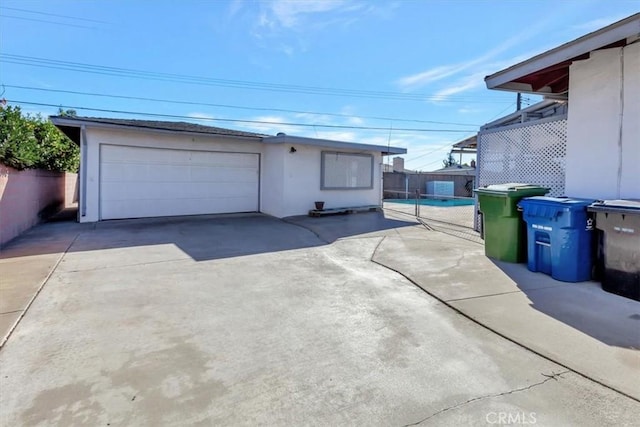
<point x="434" y="202"/>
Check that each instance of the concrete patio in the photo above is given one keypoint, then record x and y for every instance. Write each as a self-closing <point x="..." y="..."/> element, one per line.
<point x="252" y="320"/>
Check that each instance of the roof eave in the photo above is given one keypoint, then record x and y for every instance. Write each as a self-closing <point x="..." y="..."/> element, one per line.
<point x="627" y="28"/>
<point x="288" y="139"/>
<point x="71" y="122"/>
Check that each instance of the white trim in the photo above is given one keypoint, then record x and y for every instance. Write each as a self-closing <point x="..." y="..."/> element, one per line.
<point x="484" y="131"/>
<point x="279" y="139"/>
<point x="288" y="139"/>
<point x="533" y="108"/>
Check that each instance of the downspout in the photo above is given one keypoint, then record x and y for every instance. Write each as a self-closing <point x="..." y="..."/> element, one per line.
<point x="83" y="171"/>
<point x="620" y="124"/>
<point x="381" y="193"/>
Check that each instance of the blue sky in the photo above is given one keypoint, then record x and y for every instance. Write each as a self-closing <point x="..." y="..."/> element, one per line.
<point x="412" y="69"/>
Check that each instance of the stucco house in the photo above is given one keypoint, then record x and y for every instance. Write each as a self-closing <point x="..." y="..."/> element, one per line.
<point x="583" y="140"/>
<point x="141" y="168"/>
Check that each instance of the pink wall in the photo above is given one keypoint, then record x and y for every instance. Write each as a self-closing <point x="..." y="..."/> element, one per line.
<point x="70" y="190"/>
<point x="24" y="195"/>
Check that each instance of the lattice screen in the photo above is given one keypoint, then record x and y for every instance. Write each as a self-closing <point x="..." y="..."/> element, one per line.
<point x="531" y="154"/>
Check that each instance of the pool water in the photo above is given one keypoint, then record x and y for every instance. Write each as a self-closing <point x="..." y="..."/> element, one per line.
<point x="434" y="202"/>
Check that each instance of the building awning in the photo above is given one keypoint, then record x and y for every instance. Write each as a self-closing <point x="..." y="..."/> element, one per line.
<point x="468" y="145"/>
<point x="548" y="73"/>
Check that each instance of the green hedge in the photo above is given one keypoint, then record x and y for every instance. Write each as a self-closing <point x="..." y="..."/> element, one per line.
<point x="28" y="142"/>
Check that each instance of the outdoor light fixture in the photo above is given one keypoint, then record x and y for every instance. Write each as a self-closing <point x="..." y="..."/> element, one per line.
<point x="292" y="150"/>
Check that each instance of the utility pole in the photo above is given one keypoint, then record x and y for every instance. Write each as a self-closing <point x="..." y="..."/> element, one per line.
<point x="519" y="102"/>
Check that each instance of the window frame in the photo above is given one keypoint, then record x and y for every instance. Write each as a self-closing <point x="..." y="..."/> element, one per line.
<point x="324" y="154"/>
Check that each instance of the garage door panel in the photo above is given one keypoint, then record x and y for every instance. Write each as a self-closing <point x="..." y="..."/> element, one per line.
<point x="223" y="174"/>
<point x="146" y="182"/>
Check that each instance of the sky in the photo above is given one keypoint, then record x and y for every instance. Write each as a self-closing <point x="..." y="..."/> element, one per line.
<point x="400" y="73"/>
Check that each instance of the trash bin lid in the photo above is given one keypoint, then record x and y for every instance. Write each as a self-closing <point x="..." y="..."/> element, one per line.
<point x="628" y="206"/>
<point x="513" y="189"/>
<point x="556" y="202"/>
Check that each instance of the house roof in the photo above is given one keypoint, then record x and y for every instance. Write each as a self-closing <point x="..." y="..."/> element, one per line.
<point x="454" y="170"/>
<point x="548" y="73"/>
<point x="282" y="138"/>
<point x="471" y="142"/>
<point x="70" y="126"/>
<point x="182" y="127"/>
<point x="466" y="146"/>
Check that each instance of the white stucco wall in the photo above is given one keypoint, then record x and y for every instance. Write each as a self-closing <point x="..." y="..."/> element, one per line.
<point x="630" y="180"/>
<point x="302" y="183"/>
<point x="95" y="137"/>
<point x="272" y="179"/>
<point x="289" y="182"/>
<point x="603" y="131"/>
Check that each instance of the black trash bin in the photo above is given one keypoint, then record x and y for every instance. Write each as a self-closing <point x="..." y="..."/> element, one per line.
<point x="619" y="221"/>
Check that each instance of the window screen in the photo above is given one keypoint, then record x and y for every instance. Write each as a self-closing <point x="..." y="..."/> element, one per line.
<point x="346" y="171"/>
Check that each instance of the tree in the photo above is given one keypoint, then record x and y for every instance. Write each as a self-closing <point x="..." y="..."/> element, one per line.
<point x="449" y="161"/>
<point x="18" y="144"/>
<point x="57" y="152"/>
<point x="67" y="113"/>
<point x="28" y="142"/>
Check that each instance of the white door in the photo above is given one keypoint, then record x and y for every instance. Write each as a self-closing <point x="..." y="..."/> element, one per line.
<point x="138" y="182"/>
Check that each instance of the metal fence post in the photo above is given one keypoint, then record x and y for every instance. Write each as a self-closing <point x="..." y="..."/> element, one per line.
<point x="417" y="203"/>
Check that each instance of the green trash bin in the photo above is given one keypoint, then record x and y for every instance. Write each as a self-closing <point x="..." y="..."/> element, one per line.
<point x="505" y="236"/>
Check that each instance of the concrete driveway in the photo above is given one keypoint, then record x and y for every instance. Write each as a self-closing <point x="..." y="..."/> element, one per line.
<point x="245" y="320"/>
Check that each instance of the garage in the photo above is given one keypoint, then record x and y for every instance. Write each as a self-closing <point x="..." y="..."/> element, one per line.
<point x="137" y="182"/>
<point x="133" y="168"/>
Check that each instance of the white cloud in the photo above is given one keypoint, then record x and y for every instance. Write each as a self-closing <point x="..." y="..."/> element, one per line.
<point x="428" y="76"/>
<point x="345" y="136"/>
<point x="290" y="14"/>
<point x="278" y="17"/>
<point x="234" y="7"/>
<point x="440" y="72"/>
<point x="355" y="121"/>
<point x="471" y="81"/>
<point x="201" y="116"/>
<point x="469" y="110"/>
<point x="271" y="125"/>
<point x="596" y="24"/>
<point x="475" y="80"/>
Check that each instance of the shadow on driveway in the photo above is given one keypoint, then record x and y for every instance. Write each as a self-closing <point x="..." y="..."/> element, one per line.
<point x="202" y="237"/>
<point x="334" y="227"/>
<point x="609" y="318"/>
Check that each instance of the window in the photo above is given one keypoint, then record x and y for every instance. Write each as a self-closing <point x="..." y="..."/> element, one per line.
<point x="346" y="171"/>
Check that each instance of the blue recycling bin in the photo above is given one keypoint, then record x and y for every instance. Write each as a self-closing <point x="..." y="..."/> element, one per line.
<point x="559" y="237"/>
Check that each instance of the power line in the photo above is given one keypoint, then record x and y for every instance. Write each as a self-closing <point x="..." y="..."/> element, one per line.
<point x="428" y="164"/>
<point x="501" y="112"/>
<point x="64" y="24"/>
<point x="175" y="116"/>
<point x="138" y="98"/>
<point x="53" y="14"/>
<point x="448" y="144"/>
<point x="207" y="81"/>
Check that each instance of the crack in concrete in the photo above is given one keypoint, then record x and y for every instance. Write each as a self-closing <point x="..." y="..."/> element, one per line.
<point x="553" y="376"/>
<point x="33" y="298"/>
<point x="128" y="265"/>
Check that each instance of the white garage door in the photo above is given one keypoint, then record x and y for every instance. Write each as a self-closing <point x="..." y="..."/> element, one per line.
<point x="147" y="182"/>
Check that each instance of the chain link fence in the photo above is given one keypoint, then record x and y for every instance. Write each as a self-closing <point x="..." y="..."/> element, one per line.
<point x="448" y="214"/>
